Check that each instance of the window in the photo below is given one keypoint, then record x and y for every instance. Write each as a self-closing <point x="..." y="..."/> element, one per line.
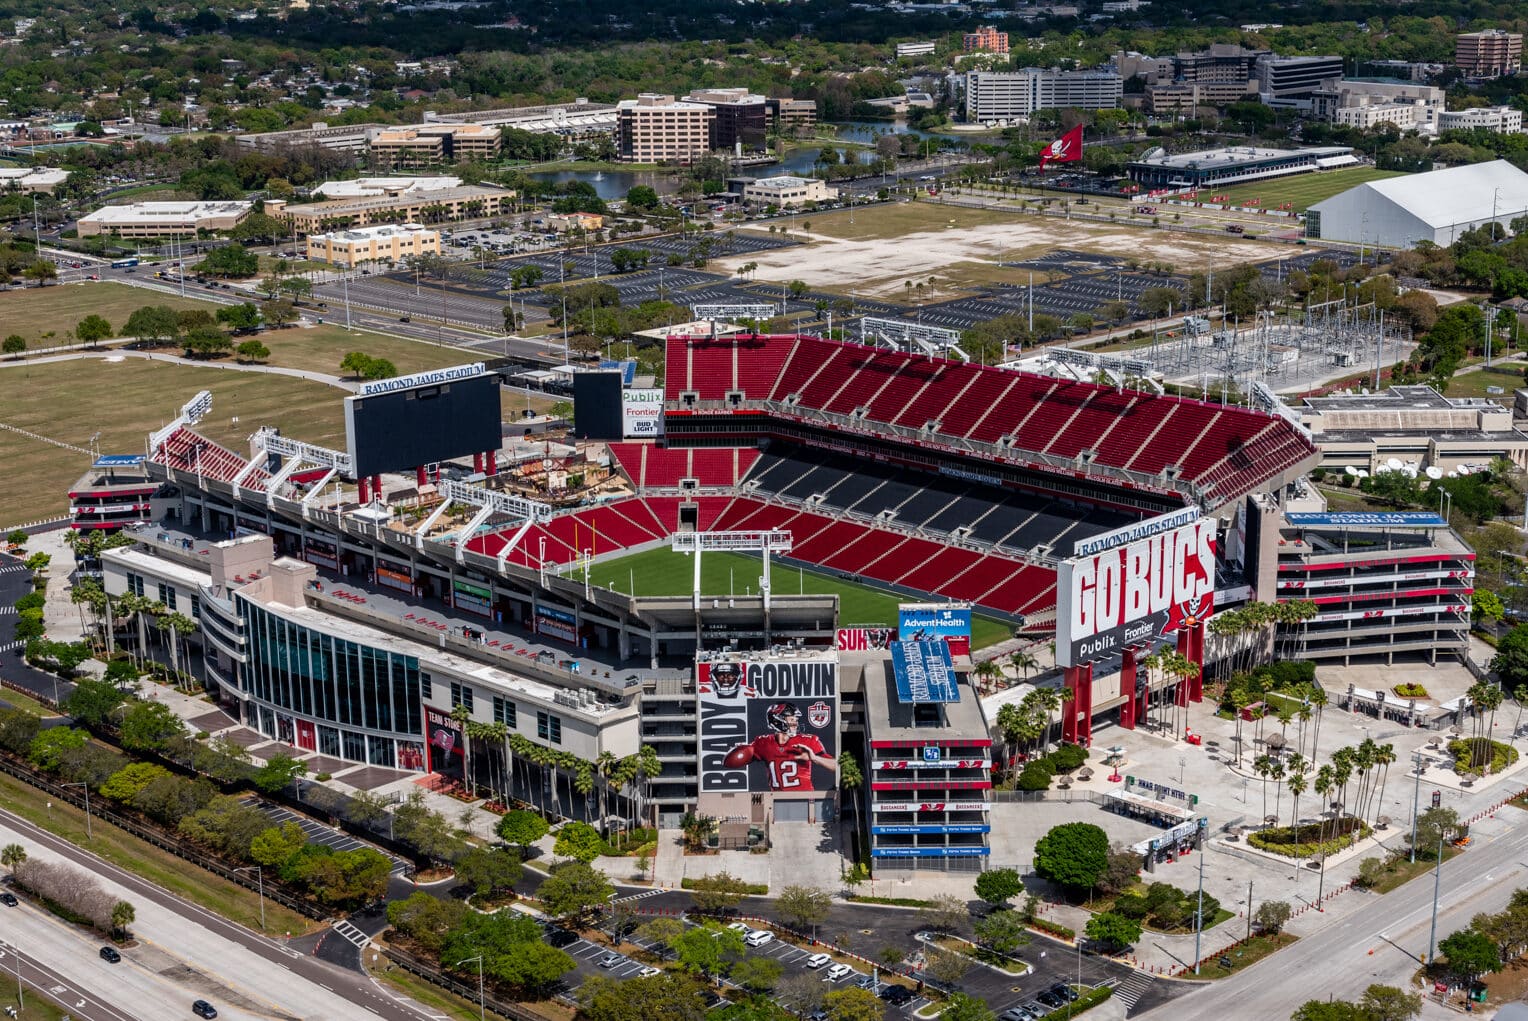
<point x="167" y="596"/>
<point x="461" y="694"/>
<point x="549" y="727"/>
<point x="135" y="583"/>
<point x="196" y="607"/>
<point x="504" y="711"/>
<point x="424" y="685"/>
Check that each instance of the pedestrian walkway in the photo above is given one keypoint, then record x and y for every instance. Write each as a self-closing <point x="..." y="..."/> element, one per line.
<point x="350" y="933"/>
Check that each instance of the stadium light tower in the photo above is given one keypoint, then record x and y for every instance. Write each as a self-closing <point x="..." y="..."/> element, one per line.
<point x="765" y="542"/>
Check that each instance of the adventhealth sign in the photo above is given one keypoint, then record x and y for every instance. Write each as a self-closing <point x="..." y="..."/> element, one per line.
<point x="386" y="386"/>
<point x="1135" y="590"/>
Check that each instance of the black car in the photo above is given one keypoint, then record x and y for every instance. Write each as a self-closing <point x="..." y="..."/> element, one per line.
<point x="8" y="899"/>
<point x="1064" y="991"/>
<point x="896" y="995"/>
<point x="110" y="955"/>
<point x="201" y="1008"/>
<point x="1050" y="999"/>
<point x="561" y="938"/>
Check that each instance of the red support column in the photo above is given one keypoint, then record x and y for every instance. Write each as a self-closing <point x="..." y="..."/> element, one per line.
<point x="477" y="462"/>
<point x="491" y="462"/>
<point x="1085" y="706"/>
<point x="1069" y="705"/>
<point x="1127" y="691"/>
<point x="376" y="486"/>
<point x="1196" y="640"/>
<point x="363" y="489"/>
<point x="421" y="477"/>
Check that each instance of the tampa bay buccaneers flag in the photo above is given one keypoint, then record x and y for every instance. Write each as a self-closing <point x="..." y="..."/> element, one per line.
<point x="1066" y="149"/>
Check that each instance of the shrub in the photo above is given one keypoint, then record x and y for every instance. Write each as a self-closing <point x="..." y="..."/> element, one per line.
<point x="1035" y="776"/>
<point x="1410" y="691"/>
<point x="1067" y="758"/>
<point x="1473" y="754"/>
<point x="754" y="889"/>
<point x="1286" y="841"/>
<point x="1053" y="928"/>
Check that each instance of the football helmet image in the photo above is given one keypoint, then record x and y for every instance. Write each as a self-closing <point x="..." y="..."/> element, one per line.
<point x="726" y="679"/>
<point x="783" y="718"/>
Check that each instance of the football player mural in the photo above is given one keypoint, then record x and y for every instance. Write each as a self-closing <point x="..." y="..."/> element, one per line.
<point x="769" y="725"/>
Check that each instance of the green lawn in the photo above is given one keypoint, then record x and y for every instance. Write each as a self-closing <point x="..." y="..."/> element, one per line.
<point x="1474" y="384"/>
<point x="662" y="572"/>
<point x="1302" y="190"/>
<point x="38" y="310"/>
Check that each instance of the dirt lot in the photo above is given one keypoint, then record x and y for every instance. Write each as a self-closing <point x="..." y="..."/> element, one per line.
<point x="888" y="245"/>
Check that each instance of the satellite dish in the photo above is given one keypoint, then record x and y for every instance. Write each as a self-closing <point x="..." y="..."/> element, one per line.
<point x="1394" y="464"/>
<point x="1362" y="474"/>
<point x="1434" y="472"/>
<point x="1453" y="475"/>
<point x="1410" y="471"/>
<point x="1350" y="470"/>
<point x="1465" y="469"/>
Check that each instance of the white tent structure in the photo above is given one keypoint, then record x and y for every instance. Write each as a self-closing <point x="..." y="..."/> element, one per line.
<point x="1437" y="206"/>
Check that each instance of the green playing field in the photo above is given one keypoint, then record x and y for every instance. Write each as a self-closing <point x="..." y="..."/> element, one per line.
<point x="662" y="572"/>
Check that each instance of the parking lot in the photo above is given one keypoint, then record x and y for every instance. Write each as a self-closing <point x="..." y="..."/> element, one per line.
<point x="318" y="833"/>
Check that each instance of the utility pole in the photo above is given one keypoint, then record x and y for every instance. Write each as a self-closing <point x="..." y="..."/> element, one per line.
<point x="1432" y="936"/>
<point x="1416" y="795"/>
<point x="1198" y="915"/>
<point x="1249" y="909"/>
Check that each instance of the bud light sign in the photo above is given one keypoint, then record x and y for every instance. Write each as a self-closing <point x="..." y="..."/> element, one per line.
<point x="928" y="621"/>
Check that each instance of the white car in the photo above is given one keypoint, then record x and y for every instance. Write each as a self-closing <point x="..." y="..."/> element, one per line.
<point x="740" y="928"/>
<point x="647" y="972"/>
<point x="818" y="960"/>
<point x="839" y="971"/>
<point x="758" y="938"/>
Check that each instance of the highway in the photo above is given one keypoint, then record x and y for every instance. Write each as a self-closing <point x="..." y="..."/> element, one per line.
<point x="183" y="953"/>
<point x="1380" y="942"/>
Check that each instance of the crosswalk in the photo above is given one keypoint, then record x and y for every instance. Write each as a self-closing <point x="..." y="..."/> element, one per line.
<point x="638" y="896"/>
<point x="1130" y="991"/>
<point x="351" y="933"/>
<point x="11" y="646"/>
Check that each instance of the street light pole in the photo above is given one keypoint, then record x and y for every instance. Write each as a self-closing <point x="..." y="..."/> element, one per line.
<point x="88" y="834"/>
<point x="1416" y="795"/>
<point x="260" y="882"/>
<point x="1198" y="915"/>
<point x="1432" y="935"/>
<point x="479" y="960"/>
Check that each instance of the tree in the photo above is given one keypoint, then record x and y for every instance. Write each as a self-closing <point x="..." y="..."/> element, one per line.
<point x="356" y="363"/>
<point x="41" y="271"/>
<point x="661" y="930"/>
<point x="803" y="907"/>
<point x="243" y="316"/>
<point x="148" y="726"/>
<point x="1113" y="930"/>
<point x="964" y="1007"/>
<point x="278" y="312"/>
<point x="380" y="368"/>
<point x="1470" y="954"/>
<point x="425" y="919"/>
<point x="126" y="784"/>
<point x="1387" y="1003"/>
<point x="804" y="990"/>
<point x="1121" y="873"/>
<point x="946" y="966"/>
<point x="15" y="344"/>
<point x="252" y="351"/>
<point x="641" y="197"/>
<point x="1271" y="916"/>
<point x="277" y="844"/>
<point x="1003" y="931"/>
<point x="1329" y="1010"/>
<point x="92" y="700"/>
<point x="998" y="886"/>
<point x="153" y="324"/>
<point x="92" y="330"/>
<point x="1434" y="825"/>
<point x="49" y="746"/>
<point x="705" y="950"/>
<point x="1073" y="854"/>
<point x="853" y="1005"/>
<point x="718" y="892"/>
<point x="579" y="841"/>
<point x="757" y="974"/>
<point x="229" y="261"/>
<point x="943" y="913"/>
<point x="122" y="915"/>
<point x="206" y="340"/>
<point x="665" y="997"/>
<point x="278" y="773"/>
<point x="1511" y="659"/>
<point x="12" y="855"/>
<point x="574" y="890"/>
<point x="489" y="871"/>
<point x="522" y="828"/>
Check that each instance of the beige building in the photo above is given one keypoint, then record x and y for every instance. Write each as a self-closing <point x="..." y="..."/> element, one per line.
<point x="562" y="223"/>
<point x="390" y="243"/>
<point x="793" y="116"/>
<point x="411" y="205"/>
<point x="786" y="190"/>
<point x="1489" y="54"/>
<point x="32" y="179"/>
<point x="163" y="219"/>
<point x="431" y="145"/>
<point x="655" y="128"/>
<point x="1493" y="118"/>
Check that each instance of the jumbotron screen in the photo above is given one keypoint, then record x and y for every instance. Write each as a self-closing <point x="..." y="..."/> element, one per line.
<point x="395" y="425"/>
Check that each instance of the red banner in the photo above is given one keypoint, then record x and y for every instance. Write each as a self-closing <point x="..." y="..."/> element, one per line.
<point x="1066" y="149"/>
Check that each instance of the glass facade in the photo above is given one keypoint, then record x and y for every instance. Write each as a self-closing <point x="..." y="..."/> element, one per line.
<point x="316" y="675"/>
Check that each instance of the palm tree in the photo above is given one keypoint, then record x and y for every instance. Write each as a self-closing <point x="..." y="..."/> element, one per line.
<point x="1277" y="772"/>
<point x="1240" y="700"/>
<point x="1519" y="695"/>
<point x="583" y="783"/>
<point x="1023" y="662"/>
<point x="1298" y="782"/>
<point x="986" y="671"/>
<point x="1384" y="755"/>
<point x="1263" y="767"/>
<point x="461" y="714"/>
<point x="1316" y="696"/>
<point x="648" y="766"/>
<point x="1323" y="785"/>
<point x="176" y="625"/>
<point x="12" y="855"/>
<point x="605" y="765"/>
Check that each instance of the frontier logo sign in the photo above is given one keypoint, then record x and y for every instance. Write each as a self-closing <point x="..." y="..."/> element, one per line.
<point x="1135" y="594"/>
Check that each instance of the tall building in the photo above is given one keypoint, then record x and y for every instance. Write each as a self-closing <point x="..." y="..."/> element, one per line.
<point x="1294" y="78"/>
<point x="793" y="116"/>
<point x="986" y="39"/>
<point x="741" y="118"/>
<point x="1364" y="104"/>
<point x="1492" y="118"/>
<point x="1489" y="54"/>
<point x="429" y="145"/>
<point x="1009" y="95"/>
<point x="655" y="128"/>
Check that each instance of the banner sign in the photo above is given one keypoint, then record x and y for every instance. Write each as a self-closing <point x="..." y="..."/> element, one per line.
<point x="929" y="806"/>
<point x="956" y="827"/>
<point x="641" y="413"/>
<point x="387" y="386"/>
<point x="1368" y="519"/>
<point x="930" y="852"/>
<point x="447" y="751"/>
<point x="768" y="725"/>
<point x="918" y="622"/>
<point x="864" y="639"/>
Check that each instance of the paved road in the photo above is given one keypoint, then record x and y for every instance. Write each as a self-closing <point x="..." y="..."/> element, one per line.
<point x="15" y="582"/>
<point x="1380" y="942"/>
<point x="243" y="973"/>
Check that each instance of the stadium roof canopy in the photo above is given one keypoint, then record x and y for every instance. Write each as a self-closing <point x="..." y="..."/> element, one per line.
<point x="1438" y="206"/>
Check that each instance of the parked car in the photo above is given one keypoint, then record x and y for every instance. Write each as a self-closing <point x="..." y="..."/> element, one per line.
<point x="758" y="938"/>
<point x="818" y="960"/>
<point x="1064" y="991"/>
<point x="1050" y="999"/>
<point x="1016" y="1014"/>
<point x="611" y="960"/>
<point x="896" y="995"/>
<point x="835" y="973"/>
<point x="739" y="927"/>
<point x="8" y="899"/>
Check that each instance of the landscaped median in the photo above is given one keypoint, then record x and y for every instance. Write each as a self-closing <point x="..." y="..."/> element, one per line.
<point x="983" y="955"/>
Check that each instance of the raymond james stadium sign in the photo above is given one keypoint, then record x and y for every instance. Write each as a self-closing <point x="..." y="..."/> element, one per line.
<point x="387" y="386"/>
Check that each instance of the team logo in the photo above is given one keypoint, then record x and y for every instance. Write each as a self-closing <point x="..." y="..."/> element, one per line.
<point x="819" y="714"/>
<point x="1057" y="150"/>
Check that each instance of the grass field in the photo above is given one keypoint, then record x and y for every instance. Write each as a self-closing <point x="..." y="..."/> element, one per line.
<point x="895" y="219"/>
<point x="1474" y="384"/>
<point x="124" y="401"/>
<point x="1304" y="190"/>
<point x="38" y="310"/>
<point x="662" y="572"/>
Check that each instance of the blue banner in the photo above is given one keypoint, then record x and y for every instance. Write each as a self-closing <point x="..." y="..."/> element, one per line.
<point x="914" y="830"/>
<point x="924" y="621"/>
<point x="1368" y="519"/>
<point x="924" y="672"/>
<point x="118" y="460"/>
<point x="930" y="852"/>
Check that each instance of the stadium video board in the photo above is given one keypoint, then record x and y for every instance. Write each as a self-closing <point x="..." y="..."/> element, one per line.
<point x="396" y="425"/>
<point x="768" y="725"/>
<point x="1134" y="587"/>
<point x="918" y="622"/>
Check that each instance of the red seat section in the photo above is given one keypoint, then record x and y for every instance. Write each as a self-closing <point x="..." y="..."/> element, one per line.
<point x="190" y="451"/>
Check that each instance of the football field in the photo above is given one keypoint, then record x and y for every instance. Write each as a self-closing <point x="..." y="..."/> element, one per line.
<point x="1302" y="190"/>
<point x="662" y="572"/>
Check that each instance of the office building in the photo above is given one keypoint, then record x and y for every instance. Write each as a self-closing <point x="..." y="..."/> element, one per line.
<point x="1489" y="54"/>
<point x="995" y="96"/>
<point x="655" y="128"/>
<point x="793" y="116"/>
<point x="384" y="243"/>
<point x="430" y="145"/>
<point x="741" y="121"/>
<point x="918" y="49"/>
<point x="1188" y="98"/>
<point x="986" y="39"/>
<point x="786" y="190"/>
<point x="1359" y="103"/>
<point x="575" y="121"/>
<point x="1414" y="426"/>
<point x="1492" y="118"/>
<point x="394" y="205"/>
<point x="31" y="180"/>
<point x="163" y="219"/>
<point x="1291" y="80"/>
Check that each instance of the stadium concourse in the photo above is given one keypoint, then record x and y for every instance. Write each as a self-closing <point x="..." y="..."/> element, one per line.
<point x="923" y="474"/>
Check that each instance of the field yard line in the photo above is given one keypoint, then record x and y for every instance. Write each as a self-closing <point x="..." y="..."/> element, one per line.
<point x="43" y="439"/>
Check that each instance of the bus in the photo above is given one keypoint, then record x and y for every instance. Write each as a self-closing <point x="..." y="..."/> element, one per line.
<point x="124" y="263"/>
